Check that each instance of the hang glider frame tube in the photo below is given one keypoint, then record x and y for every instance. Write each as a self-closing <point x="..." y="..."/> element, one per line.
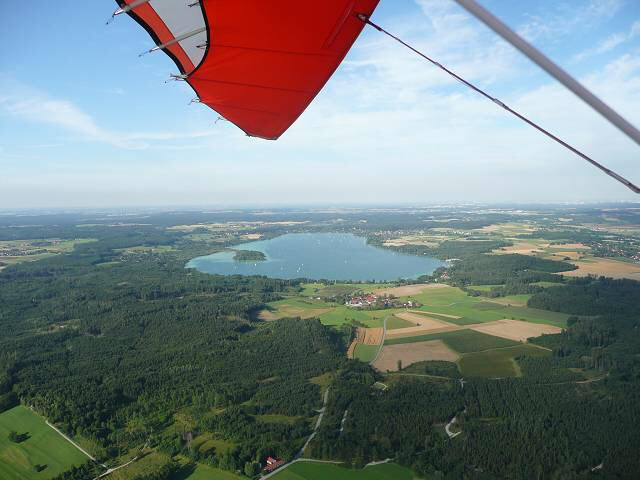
<point x="634" y="188"/>
<point x="178" y="39"/>
<point x="550" y="67"/>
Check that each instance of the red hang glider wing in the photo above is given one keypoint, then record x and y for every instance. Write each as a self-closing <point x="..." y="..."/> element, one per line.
<point x="258" y="63"/>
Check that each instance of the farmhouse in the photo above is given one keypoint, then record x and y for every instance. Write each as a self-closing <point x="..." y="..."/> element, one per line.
<point x="361" y="300"/>
<point x="272" y="464"/>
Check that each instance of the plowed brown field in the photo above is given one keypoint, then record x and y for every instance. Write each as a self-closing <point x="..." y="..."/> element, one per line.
<point x="410" y="353"/>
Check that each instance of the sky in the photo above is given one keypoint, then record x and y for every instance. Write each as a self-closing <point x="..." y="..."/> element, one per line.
<point x="85" y="122"/>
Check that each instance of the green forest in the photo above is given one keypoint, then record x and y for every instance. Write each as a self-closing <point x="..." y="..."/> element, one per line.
<point x="126" y="349"/>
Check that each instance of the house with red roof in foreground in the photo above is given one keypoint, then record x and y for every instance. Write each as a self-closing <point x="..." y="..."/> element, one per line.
<point x="272" y="464"/>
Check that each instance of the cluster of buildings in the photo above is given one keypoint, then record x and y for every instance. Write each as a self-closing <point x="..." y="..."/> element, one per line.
<point x="272" y="464"/>
<point x="372" y="300"/>
<point x="362" y="300"/>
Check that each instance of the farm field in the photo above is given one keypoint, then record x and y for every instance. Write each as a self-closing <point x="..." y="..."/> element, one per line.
<point x="339" y="315"/>
<point x="329" y="471"/>
<point x="409" y="353"/>
<point x="497" y="363"/>
<point x="454" y="302"/>
<point x="515" y="329"/>
<point x="49" y="247"/>
<point x="421" y="325"/>
<point x="365" y="353"/>
<point x="396" y="321"/>
<point x="462" y="341"/>
<point x="445" y="303"/>
<point x="322" y="290"/>
<point x="536" y="315"/>
<point x="205" y="472"/>
<point x="294" y="307"/>
<point x="147" y="465"/>
<point x="408" y="290"/>
<point x="605" y="266"/>
<point x="515" y="300"/>
<point x="43" y="447"/>
<point x="210" y="443"/>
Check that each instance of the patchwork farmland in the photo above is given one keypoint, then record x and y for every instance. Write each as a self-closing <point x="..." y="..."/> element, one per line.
<point x="480" y="336"/>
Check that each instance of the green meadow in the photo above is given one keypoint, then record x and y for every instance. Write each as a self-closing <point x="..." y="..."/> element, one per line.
<point x="206" y="472"/>
<point x="497" y="363"/>
<point x="453" y="301"/>
<point x="462" y="341"/>
<point x="329" y="471"/>
<point x="365" y="353"/>
<point x="42" y="447"/>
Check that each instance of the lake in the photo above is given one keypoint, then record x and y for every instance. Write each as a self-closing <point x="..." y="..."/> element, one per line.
<point x="331" y="256"/>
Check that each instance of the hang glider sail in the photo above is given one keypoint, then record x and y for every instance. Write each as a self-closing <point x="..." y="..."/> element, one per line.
<point x="258" y="63"/>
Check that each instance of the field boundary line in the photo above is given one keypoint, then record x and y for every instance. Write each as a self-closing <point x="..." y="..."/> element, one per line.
<point x="111" y="470"/>
<point x="384" y="336"/>
<point x="379" y="462"/>
<point x="74" y="443"/>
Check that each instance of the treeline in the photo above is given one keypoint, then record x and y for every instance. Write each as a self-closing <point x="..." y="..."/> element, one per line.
<point x="501" y="269"/>
<point x="589" y="296"/>
<point x="446" y="250"/>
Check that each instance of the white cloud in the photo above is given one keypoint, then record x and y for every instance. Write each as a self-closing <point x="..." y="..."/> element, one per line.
<point x="38" y="107"/>
<point x="567" y="17"/>
<point x="610" y="42"/>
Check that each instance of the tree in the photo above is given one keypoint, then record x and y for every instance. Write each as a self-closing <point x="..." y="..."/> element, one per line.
<point x="251" y="469"/>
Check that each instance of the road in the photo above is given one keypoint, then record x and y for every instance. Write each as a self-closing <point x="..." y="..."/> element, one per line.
<point x="111" y="470"/>
<point x="447" y="428"/>
<point x="384" y="335"/>
<point x="298" y="456"/>
<point x="449" y="432"/>
<point x="74" y="443"/>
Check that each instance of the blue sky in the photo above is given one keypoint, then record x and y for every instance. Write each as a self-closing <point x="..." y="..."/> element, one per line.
<point x="85" y="122"/>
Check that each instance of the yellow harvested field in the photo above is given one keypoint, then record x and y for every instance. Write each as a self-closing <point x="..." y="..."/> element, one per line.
<point x="408" y="290"/>
<point x="523" y="248"/>
<point x="352" y="348"/>
<point x="414" y="331"/>
<point x="267" y="316"/>
<point x="514" y="329"/>
<point x="409" y="353"/>
<point x="607" y="267"/>
<point x="370" y="336"/>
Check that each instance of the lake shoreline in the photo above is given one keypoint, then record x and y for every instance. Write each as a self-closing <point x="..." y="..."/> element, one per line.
<point x="319" y="256"/>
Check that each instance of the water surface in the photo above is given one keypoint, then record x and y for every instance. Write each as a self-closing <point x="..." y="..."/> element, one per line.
<point x="331" y="256"/>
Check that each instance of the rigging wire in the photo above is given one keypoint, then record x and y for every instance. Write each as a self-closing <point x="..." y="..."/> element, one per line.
<point x="609" y="172"/>
<point x="539" y="58"/>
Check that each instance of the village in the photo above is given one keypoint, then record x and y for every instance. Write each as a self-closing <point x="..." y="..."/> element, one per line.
<point x="378" y="302"/>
